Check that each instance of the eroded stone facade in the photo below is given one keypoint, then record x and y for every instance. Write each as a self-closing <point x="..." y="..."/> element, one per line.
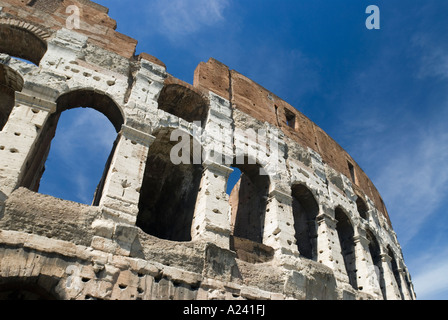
<point x="315" y="227"/>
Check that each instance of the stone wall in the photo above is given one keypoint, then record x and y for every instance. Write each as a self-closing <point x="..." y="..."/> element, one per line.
<point x="304" y="222"/>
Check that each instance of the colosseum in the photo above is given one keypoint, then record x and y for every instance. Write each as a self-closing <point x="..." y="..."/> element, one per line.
<point x="304" y="222"/>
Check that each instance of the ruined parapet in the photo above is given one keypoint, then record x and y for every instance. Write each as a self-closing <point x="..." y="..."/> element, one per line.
<point x="303" y="222"/>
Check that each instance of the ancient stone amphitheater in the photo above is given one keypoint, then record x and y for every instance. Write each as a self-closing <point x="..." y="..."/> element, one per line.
<point x="303" y="222"/>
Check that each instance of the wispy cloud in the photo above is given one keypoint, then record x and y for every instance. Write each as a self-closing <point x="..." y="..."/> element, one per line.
<point x="184" y="17"/>
<point x="429" y="276"/>
<point x="414" y="178"/>
<point x="284" y="69"/>
<point x="434" y="56"/>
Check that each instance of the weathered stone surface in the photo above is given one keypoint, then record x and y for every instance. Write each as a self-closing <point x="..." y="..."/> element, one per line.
<point x="304" y="222"/>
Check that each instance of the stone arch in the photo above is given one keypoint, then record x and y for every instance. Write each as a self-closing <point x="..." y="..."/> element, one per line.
<point x="10" y="82"/>
<point x="169" y="188"/>
<point x="375" y="253"/>
<point x="394" y="267"/>
<point x="84" y="98"/>
<point x="19" y="288"/>
<point x="184" y="103"/>
<point x="88" y="98"/>
<point x="305" y="211"/>
<point x="23" y="40"/>
<point x="345" y="230"/>
<point x="248" y="201"/>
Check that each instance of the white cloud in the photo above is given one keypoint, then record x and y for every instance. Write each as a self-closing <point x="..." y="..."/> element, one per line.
<point x="183" y="17"/>
<point x="434" y="56"/>
<point x="429" y="276"/>
<point x="414" y="178"/>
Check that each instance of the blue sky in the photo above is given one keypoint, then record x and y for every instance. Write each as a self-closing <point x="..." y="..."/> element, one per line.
<point x="381" y="94"/>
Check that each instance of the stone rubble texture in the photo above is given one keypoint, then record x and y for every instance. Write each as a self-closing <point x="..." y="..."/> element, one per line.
<point x="160" y="231"/>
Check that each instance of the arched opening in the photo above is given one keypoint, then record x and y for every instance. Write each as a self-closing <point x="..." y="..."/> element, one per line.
<point x="345" y="234"/>
<point x="248" y="200"/>
<point x="248" y="189"/>
<point x="22" y="43"/>
<point x="305" y="211"/>
<point x="169" y="189"/>
<point x="183" y="103"/>
<point x="395" y="271"/>
<point x="362" y="208"/>
<point x="26" y="290"/>
<point x="82" y="141"/>
<point x="10" y="82"/>
<point x="375" y="253"/>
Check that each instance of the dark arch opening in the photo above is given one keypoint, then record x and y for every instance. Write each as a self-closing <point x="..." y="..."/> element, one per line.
<point x="248" y="200"/>
<point x="169" y="191"/>
<point x="86" y="135"/>
<point x="248" y="189"/>
<point x="10" y="82"/>
<point x="345" y="234"/>
<point x="362" y="208"/>
<point x="183" y="103"/>
<point x="375" y="253"/>
<point x="24" y="290"/>
<point x="395" y="271"/>
<point x="305" y="211"/>
<point x="21" y="43"/>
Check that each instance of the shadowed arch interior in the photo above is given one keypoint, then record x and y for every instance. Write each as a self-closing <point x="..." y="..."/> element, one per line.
<point x="345" y="234"/>
<point x="248" y="200"/>
<point x="305" y="211"/>
<point x="362" y="207"/>
<point x="183" y="103"/>
<point x="375" y="253"/>
<point x="18" y="289"/>
<point x="169" y="191"/>
<point x="396" y="272"/>
<point x="22" y="43"/>
<point x="10" y="82"/>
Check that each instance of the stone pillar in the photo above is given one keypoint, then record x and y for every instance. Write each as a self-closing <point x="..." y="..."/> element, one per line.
<point x="121" y="192"/>
<point x="367" y="278"/>
<point x="19" y="136"/>
<point x="392" y="292"/>
<point x="115" y="231"/>
<point x="279" y="230"/>
<point x="211" y="221"/>
<point x="328" y="247"/>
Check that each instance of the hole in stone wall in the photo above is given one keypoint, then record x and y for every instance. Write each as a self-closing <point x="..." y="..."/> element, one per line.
<point x="290" y="119"/>
<point x="305" y="211"/>
<point x="351" y="170"/>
